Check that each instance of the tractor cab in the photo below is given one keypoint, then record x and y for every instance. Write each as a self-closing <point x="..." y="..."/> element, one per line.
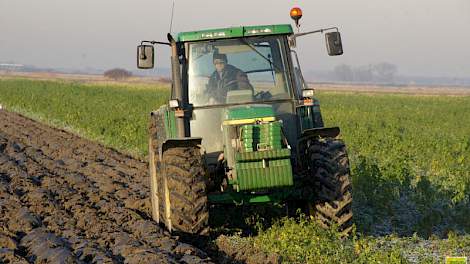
<point x="258" y="67"/>
<point x="255" y="72"/>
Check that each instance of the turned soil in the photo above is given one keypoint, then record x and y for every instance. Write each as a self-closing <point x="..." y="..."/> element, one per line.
<point x="64" y="199"/>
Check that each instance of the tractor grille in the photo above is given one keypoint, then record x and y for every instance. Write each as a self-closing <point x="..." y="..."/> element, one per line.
<point x="263" y="161"/>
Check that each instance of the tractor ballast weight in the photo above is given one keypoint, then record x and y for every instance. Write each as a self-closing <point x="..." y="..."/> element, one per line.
<point x="260" y="141"/>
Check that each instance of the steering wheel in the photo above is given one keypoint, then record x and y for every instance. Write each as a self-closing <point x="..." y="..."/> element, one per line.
<point x="263" y="95"/>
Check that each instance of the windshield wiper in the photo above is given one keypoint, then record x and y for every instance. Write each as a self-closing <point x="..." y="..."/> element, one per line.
<point x="260" y="54"/>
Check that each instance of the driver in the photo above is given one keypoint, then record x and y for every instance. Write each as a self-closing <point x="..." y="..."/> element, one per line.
<point x="226" y="78"/>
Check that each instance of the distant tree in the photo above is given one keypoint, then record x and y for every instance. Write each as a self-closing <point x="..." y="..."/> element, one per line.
<point x="381" y="72"/>
<point x="385" y="72"/>
<point x="364" y="73"/>
<point x="117" y="74"/>
<point x="344" y="73"/>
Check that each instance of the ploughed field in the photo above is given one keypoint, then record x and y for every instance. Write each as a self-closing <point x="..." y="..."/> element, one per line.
<point x="64" y="199"/>
<point x="410" y="160"/>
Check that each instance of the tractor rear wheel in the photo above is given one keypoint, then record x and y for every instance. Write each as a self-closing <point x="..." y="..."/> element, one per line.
<point x="183" y="191"/>
<point x="329" y="167"/>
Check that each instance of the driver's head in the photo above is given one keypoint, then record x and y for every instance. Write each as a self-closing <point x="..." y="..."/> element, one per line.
<point x="219" y="60"/>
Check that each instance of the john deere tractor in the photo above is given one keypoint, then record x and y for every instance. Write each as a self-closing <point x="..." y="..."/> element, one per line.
<point x="257" y="138"/>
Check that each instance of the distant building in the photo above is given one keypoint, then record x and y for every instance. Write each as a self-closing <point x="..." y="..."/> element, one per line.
<point x="10" y="67"/>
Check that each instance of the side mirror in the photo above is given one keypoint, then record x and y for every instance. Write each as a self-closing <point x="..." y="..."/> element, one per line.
<point x="145" y="57"/>
<point x="333" y="43"/>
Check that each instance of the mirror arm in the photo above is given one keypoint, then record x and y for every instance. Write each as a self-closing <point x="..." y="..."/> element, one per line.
<point x="153" y="42"/>
<point x="315" y="31"/>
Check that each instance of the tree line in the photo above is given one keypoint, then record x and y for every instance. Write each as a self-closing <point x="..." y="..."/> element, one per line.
<point x="381" y="72"/>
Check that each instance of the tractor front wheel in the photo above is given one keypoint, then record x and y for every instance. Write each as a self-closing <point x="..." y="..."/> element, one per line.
<point x="329" y="169"/>
<point x="179" y="191"/>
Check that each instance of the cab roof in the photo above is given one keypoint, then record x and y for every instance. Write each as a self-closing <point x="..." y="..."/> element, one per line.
<point x="234" y="32"/>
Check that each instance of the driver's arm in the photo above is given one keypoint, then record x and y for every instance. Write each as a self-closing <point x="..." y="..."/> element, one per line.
<point x="212" y="84"/>
<point x="213" y="91"/>
<point x="243" y="81"/>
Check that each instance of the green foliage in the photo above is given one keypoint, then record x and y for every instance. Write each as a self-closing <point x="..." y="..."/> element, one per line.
<point x="113" y="114"/>
<point x="410" y="160"/>
<point x="303" y="241"/>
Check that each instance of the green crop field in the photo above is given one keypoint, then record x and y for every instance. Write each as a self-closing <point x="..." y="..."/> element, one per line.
<point x="410" y="160"/>
<point x="114" y="114"/>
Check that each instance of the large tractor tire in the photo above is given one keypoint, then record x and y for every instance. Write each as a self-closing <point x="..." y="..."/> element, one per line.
<point x="177" y="185"/>
<point x="329" y="167"/>
<point x="182" y="192"/>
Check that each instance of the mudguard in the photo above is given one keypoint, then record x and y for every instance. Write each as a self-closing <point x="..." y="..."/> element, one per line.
<point x="330" y="132"/>
<point x="163" y="134"/>
<point x="312" y="134"/>
<point x="180" y="142"/>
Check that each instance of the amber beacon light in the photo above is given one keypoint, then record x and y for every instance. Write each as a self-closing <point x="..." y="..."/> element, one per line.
<point x="296" y="14"/>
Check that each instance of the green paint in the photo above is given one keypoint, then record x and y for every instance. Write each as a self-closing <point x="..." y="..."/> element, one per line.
<point x="256" y="137"/>
<point x="259" y="155"/>
<point x="306" y="117"/>
<point x="247" y="198"/>
<point x="170" y="121"/>
<point x="264" y="174"/>
<point x="268" y="30"/>
<point x="251" y="111"/>
<point x="264" y="161"/>
<point x="234" y="32"/>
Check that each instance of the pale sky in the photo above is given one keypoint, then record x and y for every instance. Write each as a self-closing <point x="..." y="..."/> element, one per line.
<point x="422" y="37"/>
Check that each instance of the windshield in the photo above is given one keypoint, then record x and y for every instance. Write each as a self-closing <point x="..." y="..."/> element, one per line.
<point x="237" y="71"/>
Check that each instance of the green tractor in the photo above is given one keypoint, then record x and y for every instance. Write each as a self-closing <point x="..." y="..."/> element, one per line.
<point x="249" y="133"/>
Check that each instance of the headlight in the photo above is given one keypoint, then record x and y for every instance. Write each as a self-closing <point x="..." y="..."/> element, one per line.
<point x="174" y="103"/>
<point x="307" y="93"/>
